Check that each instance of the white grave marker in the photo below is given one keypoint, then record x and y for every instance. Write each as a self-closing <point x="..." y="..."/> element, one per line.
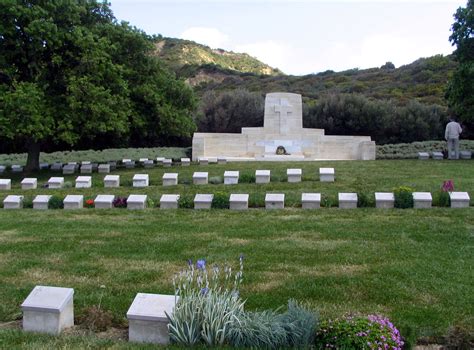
<point x="311" y="200"/>
<point x="203" y="201"/>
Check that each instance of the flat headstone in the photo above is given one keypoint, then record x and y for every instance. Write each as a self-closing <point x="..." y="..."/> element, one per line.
<point x="29" y="183"/>
<point x="83" y="182"/>
<point x="130" y="164"/>
<point x="13" y="202"/>
<point x="136" y="201"/>
<point x="17" y="168"/>
<point x="111" y="181"/>
<point x="103" y="168"/>
<point x="126" y="160"/>
<point x="465" y="154"/>
<point x="69" y="169"/>
<point x="44" y="166"/>
<point x="203" y="201"/>
<point x="56" y="182"/>
<point x="459" y="199"/>
<point x="73" y="201"/>
<point x="326" y="174"/>
<point x="149" y="164"/>
<point x="422" y="200"/>
<point x="142" y="160"/>
<point x="311" y="200"/>
<point x="167" y="162"/>
<point x="437" y="155"/>
<point x="239" y="201"/>
<point x="86" y="169"/>
<point x="185" y="161"/>
<point x="294" y="175"/>
<point x="170" y="179"/>
<point x="347" y="200"/>
<point x="48" y="310"/>
<point x="159" y="160"/>
<point x="231" y="177"/>
<point x="169" y="201"/>
<point x="41" y="201"/>
<point x="274" y="201"/>
<point x="56" y="166"/>
<point x="104" y="201"/>
<point x="262" y="176"/>
<point x="147" y="320"/>
<point x="2" y="169"/>
<point x="221" y="160"/>
<point x="86" y="162"/>
<point x="200" y="178"/>
<point x="5" y="184"/>
<point x="423" y="155"/>
<point x="203" y="161"/>
<point x="384" y="200"/>
<point x="140" y="180"/>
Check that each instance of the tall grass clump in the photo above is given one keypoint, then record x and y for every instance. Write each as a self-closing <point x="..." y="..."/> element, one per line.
<point x="403" y="197"/>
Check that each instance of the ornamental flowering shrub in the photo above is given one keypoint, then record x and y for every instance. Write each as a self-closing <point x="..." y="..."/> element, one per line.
<point x="443" y="195"/>
<point x="120" y="202"/>
<point x="448" y="186"/>
<point x="89" y="203"/>
<point x="359" y="332"/>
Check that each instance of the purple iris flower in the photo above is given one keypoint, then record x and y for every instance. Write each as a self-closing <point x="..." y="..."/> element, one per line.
<point x="201" y="264"/>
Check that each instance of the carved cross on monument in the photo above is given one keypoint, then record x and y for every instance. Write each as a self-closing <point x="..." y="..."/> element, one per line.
<point x="284" y="108"/>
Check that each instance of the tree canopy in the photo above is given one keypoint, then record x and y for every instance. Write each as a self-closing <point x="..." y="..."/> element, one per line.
<point x="70" y="71"/>
<point x="460" y="92"/>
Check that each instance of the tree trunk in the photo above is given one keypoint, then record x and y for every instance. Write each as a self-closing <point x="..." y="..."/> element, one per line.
<point x="32" y="162"/>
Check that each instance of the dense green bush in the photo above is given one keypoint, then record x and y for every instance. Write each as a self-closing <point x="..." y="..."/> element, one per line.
<point x="247" y="178"/>
<point x="220" y="200"/>
<point x="403" y="197"/>
<point x="215" y="180"/>
<point x="55" y="202"/>
<point x="186" y="201"/>
<point x="410" y="150"/>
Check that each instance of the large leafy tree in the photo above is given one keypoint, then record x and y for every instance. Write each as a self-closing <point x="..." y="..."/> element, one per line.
<point x="460" y="93"/>
<point x="69" y="71"/>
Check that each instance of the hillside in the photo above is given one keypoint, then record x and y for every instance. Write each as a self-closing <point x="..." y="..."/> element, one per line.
<point x="186" y="57"/>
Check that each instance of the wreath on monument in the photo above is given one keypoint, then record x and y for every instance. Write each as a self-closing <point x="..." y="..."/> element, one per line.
<point x="281" y="151"/>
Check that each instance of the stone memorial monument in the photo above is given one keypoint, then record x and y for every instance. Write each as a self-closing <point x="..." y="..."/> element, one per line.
<point x="282" y="138"/>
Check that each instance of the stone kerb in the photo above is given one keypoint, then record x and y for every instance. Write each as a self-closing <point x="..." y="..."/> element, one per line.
<point x="29" y="183"/>
<point x="13" y="202"/>
<point x="69" y="169"/>
<point x="73" y="201"/>
<point x="459" y="199"/>
<point x="147" y="320"/>
<point x="347" y="200"/>
<point x="56" y="182"/>
<point x="104" y="201"/>
<point x="48" y="310"/>
<point x="170" y="179"/>
<point x="239" y="201"/>
<point x="311" y="200"/>
<point x="86" y="168"/>
<point x="203" y="201"/>
<point x="17" y="168"/>
<point x="203" y="161"/>
<point x="262" y="176"/>
<point x="200" y="178"/>
<point x="294" y="175"/>
<point x="5" y="184"/>
<point x="84" y="182"/>
<point x="112" y="181"/>
<point x="274" y="201"/>
<point x="169" y="201"/>
<point x="104" y="168"/>
<point x="167" y="163"/>
<point x="422" y="200"/>
<point x="140" y="180"/>
<point x="41" y="202"/>
<point x="136" y="201"/>
<point x="185" y="161"/>
<point x="384" y="200"/>
<point x="423" y="155"/>
<point x="437" y="155"/>
<point x="2" y="169"/>
<point x="326" y="174"/>
<point x="231" y="177"/>
<point x="465" y="154"/>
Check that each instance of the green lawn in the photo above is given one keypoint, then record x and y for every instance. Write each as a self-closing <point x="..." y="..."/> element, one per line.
<point x="413" y="265"/>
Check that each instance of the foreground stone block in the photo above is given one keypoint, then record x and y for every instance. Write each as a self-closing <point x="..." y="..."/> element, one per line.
<point x="347" y="200"/>
<point x="200" y="178"/>
<point x="140" y="180"/>
<point x="56" y="182"/>
<point x="423" y="155"/>
<point x="169" y="201"/>
<point x="69" y="169"/>
<point x="274" y="201"/>
<point x="167" y="163"/>
<point x="239" y="201"/>
<point x="41" y="202"/>
<point x="459" y="199"/>
<point x="147" y="320"/>
<point x="262" y="176"/>
<point x="103" y="168"/>
<point x="29" y="183"/>
<point x="203" y="161"/>
<point x="83" y="182"/>
<point x="437" y="155"/>
<point x="13" y="202"/>
<point x="17" y="168"/>
<point x="203" y="201"/>
<point x="326" y="174"/>
<point x="465" y="154"/>
<point x="104" y="201"/>
<point x="111" y="181"/>
<point x="311" y="200"/>
<point x="170" y="179"/>
<point x="384" y="200"/>
<point x="221" y="160"/>
<point x="48" y="310"/>
<point x="74" y="201"/>
<point x="5" y="184"/>
<point x="422" y="200"/>
<point x="136" y="201"/>
<point x="231" y="177"/>
<point x="294" y="175"/>
<point x="86" y="168"/>
<point x="185" y="161"/>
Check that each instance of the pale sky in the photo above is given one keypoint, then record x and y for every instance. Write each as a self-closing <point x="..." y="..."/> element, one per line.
<point x="303" y="36"/>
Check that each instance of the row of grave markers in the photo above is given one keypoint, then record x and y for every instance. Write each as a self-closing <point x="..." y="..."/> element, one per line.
<point x="50" y="310"/>
<point x="440" y="156"/>
<point x="237" y="201"/>
<point x="169" y="179"/>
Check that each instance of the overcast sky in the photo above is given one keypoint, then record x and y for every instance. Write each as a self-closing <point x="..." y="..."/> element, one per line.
<point x="303" y="36"/>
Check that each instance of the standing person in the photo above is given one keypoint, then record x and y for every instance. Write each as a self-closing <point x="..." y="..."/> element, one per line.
<point x="453" y="130"/>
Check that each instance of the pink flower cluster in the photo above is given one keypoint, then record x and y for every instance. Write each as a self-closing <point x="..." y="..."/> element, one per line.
<point x="385" y="323"/>
<point x="448" y="186"/>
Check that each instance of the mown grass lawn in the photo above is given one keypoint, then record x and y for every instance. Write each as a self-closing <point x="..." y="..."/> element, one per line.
<point x="414" y="266"/>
